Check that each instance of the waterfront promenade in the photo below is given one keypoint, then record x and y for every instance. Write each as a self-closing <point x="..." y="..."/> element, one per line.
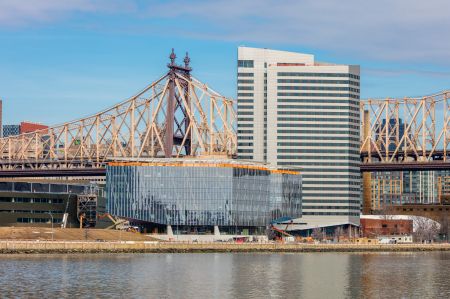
<point x="15" y="246"/>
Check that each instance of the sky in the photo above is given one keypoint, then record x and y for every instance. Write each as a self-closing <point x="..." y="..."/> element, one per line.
<point x="62" y="60"/>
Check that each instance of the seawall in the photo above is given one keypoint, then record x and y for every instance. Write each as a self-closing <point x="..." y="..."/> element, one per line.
<point x="167" y="247"/>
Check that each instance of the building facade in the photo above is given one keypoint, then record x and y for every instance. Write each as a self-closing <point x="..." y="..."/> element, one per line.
<point x="29" y="127"/>
<point x="372" y="227"/>
<point x="294" y="111"/>
<point x="409" y="187"/>
<point x="37" y="203"/>
<point x="11" y="130"/>
<point x="193" y="195"/>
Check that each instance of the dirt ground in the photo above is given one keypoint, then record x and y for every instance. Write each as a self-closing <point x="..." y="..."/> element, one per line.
<point x="69" y="234"/>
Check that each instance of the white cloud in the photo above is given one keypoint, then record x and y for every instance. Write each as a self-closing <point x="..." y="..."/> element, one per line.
<point x="397" y="30"/>
<point x="19" y="13"/>
<point x="402" y="30"/>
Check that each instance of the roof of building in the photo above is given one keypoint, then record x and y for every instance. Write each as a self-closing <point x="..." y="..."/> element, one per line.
<point x="202" y="162"/>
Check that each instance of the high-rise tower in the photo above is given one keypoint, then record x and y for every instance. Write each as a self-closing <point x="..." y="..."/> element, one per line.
<point x="294" y="111"/>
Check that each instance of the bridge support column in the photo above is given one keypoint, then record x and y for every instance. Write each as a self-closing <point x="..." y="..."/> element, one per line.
<point x="367" y="193"/>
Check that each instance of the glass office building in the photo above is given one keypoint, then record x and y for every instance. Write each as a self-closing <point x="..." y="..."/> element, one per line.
<point x="195" y="193"/>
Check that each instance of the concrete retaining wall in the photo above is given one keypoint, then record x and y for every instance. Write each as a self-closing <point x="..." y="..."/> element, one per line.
<point x="131" y="246"/>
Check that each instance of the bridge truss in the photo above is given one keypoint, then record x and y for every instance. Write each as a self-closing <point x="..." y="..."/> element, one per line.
<point x="175" y="116"/>
<point x="406" y="130"/>
<point x="401" y="139"/>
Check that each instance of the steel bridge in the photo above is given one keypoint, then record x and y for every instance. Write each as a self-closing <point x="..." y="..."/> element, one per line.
<point x="405" y="134"/>
<point x="175" y="116"/>
<point x="179" y="116"/>
<point x="402" y="142"/>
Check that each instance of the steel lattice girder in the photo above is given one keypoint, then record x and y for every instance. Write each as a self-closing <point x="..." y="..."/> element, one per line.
<point x="405" y="130"/>
<point x="132" y="129"/>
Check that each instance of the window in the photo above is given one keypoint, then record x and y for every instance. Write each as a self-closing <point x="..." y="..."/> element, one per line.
<point x="245" y="74"/>
<point x="245" y="87"/>
<point x="245" y="63"/>
<point x="246" y="81"/>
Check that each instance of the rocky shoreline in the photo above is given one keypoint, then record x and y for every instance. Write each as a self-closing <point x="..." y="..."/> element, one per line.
<point x="46" y="247"/>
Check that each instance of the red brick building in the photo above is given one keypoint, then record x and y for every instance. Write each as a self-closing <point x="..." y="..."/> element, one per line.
<point x="386" y="227"/>
<point x="28" y="127"/>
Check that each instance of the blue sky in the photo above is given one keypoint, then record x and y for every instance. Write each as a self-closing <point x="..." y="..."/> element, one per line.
<point x="61" y="60"/>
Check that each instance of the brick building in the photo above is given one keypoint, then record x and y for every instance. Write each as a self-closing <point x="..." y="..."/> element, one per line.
<point x="386" y="227"/>
<point x="28" y="127"/>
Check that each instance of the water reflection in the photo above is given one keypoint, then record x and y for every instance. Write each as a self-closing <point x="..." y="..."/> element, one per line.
<point x="309" y="275"/>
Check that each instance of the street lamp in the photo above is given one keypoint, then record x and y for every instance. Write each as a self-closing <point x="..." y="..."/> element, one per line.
<point x="52" y="223"/>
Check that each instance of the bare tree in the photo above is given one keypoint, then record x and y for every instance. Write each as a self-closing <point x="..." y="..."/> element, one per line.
<point x="317" y="234"/>
<point x="425" y="229"/>
<point x="444" y="230"/>
<point x="338" y="233"/>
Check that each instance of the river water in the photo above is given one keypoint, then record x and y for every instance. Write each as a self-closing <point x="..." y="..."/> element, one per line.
<point x="223" y="275"/>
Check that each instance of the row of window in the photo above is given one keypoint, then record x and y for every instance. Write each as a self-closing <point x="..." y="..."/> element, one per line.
<point x="284" y="87"/>
<point x="315" y="107"/>
<point x="245" y="143"/>
<point x="349" y="82"/>
<point x="318" y="151"/>
<point x="245" y="94"/>
<point x="331" y="200"/>
<point x="245" y="118"/>
<point x="240" y="87"/>
<point x="37" y="220"/>
<point x="290" y="125"/>
<point x="332" y="176"/>
<point x="245" y="101"/>
<point x="330" y="184"/>
<point x="245" y="132"/>
<point x="240" y="137"/>
<point x="315" y="137"/>
<point x="240" y="107"/>
<point x="317" y="144"/>
<point x="315" y="101"/>
<point x="330" y="207"/>
<point x="243" y="157"/>
<point x="245" y="63"/>
<point x="306" y="157"/>
<point x="245" y="112"/>
<point x="333" y="132"/>
<point x="245" y="125"/>
<point x="245" y="74"/>
<point x="312" y="113"/>
<point x="32" y="200"/>
<point x="245" y="81"/>
<point x="305" y="94"/>
<point x="33" y="211"/>
<point x="318" y="119"/>
<point x="296" y="74"/>
<point x="329" y="214"/>
<point x="317" y="163"/>
<point x="356" y="171"/>
<point x="316" y="188"/>
<point x="245" y="150"/>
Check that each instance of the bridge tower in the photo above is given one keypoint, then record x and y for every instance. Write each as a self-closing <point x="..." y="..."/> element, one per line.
<point x="177" y="118"/>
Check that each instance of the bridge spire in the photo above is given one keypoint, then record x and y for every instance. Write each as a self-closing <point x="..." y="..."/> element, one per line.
<point x="177" y="130"/>
<point x="186" y="60"/>
<point x="172" y="57"/>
